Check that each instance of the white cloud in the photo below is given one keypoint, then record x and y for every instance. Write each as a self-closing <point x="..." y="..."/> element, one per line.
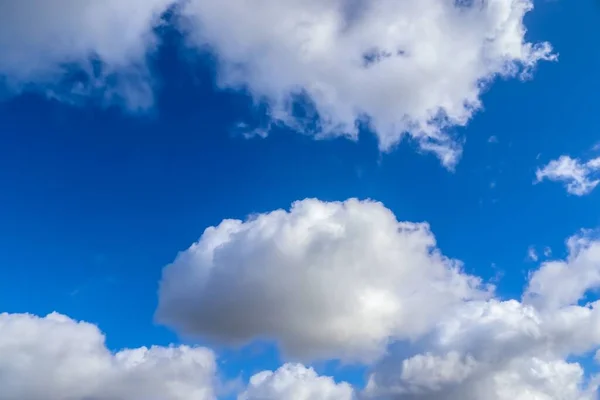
<point x="57" y="358"/>
<point x="39" y="39"/>
<point x="325" y="280"/>
<point x="412" y="67"/>
<point x="505" y="350"/>
<point x="563" y="282"/>
<point x="579" y="177"/>
<point x="498" y="351"/>
<point x="347" y="280"/>
<point x="294" y="381"/>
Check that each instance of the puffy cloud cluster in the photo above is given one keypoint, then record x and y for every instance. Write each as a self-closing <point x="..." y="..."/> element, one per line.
<point x="339" y="280"/>
<point x="57" y="358"/>
<point x="347" y="280"/>
<point x="407" y="67"/>
<point x="579" y="177"/>
<point x="326" y="280"/>
<point x="294" y="381"/>
<point x="563" y="282"/>
<point x="498" y="350"/>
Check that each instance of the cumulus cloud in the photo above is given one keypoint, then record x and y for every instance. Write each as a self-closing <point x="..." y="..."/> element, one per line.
<point x="563" y="282"/>
<point x="406" y="67"/>
<point x="326" y="280"/>
<point x="57" y="358"/>
<point x="347" y="280"/>
<point x="331" y="280"/>
<point x="579" y="177"/>
<point x="495" y="350"/>
<point x="295" y="381"/>
<point x="504" y="350"/>
<point x="42" y="42"/>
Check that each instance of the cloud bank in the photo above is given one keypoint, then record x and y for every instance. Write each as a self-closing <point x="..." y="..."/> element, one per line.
<point x="342" y="280"/>
<point x="348" y="281"/>
<point x="57" y="358"/>
<point x="407" y="69"/>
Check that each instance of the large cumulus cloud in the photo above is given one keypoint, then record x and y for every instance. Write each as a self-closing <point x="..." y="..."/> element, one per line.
<point x="406" y="67"/>
<point x="332" y="280"/>
<point x="57" y="358"/>
<point x="326" y="280"/>
<point x="347" y="280"/>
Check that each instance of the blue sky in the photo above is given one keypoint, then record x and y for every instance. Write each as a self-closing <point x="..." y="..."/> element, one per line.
<point x="96" y="199"/>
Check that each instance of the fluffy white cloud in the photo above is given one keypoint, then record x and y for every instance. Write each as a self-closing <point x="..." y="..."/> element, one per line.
<point x="40" y="39"/>
<point x="564" y="282"/>
<point x="331" y="280"/>
<point x="294" y="381"/>
<point x="57" y="358"/>
<point x="326" y="280"/>
<point x="579" y="177"/>
<point x="505" y="350"/>
<point x="407" y="67"/>
<point x="348" y="280"/>
<point x="498" y="351"/>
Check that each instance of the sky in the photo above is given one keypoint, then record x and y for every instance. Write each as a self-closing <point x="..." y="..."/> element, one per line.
<point x="299" y="199"/>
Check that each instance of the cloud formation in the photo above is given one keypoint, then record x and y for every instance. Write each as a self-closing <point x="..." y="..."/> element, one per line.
<point x="347" y="280"/>
<point x="410" y="68"/>
<point x="331" y="280"/>
<point x="406" y="67"/>
<point x="497" y="350"/>
<point x="57" y="358"/>
<point x="42" y="43"/>
<point x="295" y="381"/>
<point x="560" y="283"/>
<point x="325" y="280"/>
<point x="579" y="177"/>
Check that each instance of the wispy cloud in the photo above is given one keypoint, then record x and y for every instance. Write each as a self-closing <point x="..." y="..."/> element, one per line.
<point x="579" y="177"/>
